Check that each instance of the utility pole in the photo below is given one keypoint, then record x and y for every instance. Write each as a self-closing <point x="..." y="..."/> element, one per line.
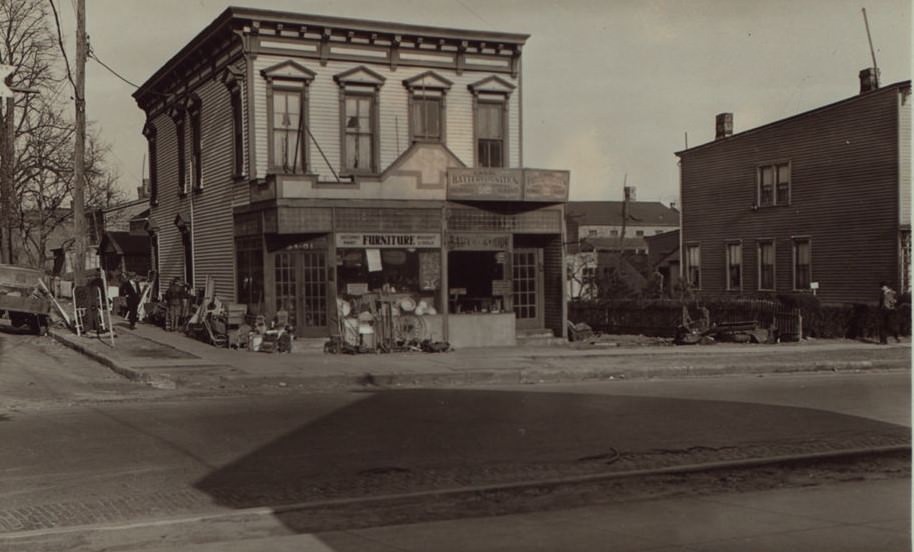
<point x="79" y="155"/>
<point x="6" y="182"/>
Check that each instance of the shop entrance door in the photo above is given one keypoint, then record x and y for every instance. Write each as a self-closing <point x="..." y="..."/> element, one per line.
<point x="301" y="289"/>
<point x="528" y="288"/>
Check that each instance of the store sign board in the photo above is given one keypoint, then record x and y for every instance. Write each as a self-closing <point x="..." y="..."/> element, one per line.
<point x="534" y="185"/>
<point x="485" y="184"/>
<point x="541" y="185"/>
<point x="387" y="240"/>
<point x="501" y="288"/>
<point x="478" y="242"/>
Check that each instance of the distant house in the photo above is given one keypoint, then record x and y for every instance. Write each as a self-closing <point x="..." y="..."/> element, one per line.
<point x="815" y="203"/>
<point x="600" y="223"/>
<point x="122" y="252"/>
<point x="596" y="236"/>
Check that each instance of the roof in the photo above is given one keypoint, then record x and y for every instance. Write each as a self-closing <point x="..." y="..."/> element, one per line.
<point x="612" y="244"/>
<point x="233" y="14"/>
<point x="125" y="243"/>
<point x="609" y="213"/>
<point x="894" y="87"/>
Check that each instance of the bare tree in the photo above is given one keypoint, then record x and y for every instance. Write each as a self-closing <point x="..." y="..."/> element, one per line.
<point x="43" y="172"/>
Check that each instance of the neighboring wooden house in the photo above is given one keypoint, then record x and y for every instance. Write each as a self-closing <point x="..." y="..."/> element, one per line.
<point x="122" y="252"/>
<point x="814" y="203"/>
<point x="287" y="150"/>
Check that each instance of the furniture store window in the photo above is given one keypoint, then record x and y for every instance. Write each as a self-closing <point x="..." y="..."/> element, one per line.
<point x="693" y="265"/>
<point x="490" y="134"/>
<point x="734" y="266"/>
<point x="766" y="265"/>
<point x="151" y="142"/>
<point x="802" y="263"/>
<point x="774" y="185"/>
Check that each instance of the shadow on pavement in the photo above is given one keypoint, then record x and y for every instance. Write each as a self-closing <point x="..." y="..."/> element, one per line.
<point x="417" y="440"/>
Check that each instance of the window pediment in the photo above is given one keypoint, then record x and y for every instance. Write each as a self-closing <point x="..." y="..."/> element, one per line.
<point x="288" y="70"/>
<point x="491" y="85"/>
<point x="359" y="76"/>
<point x="427" y="80"/>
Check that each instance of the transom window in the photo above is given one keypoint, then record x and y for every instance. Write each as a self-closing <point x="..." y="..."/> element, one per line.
<point x="774" y="185"/>
<point x="734" y="266"/>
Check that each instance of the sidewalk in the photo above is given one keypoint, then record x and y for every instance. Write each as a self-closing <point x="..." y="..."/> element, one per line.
<point x="168" y="360"/>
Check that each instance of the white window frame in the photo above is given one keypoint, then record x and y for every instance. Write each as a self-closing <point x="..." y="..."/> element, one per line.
<point x="727" y="262"/>
<point x="776" y="199"/>
<point x="688" y="264"/>
<point x="795" y="241"/>
<point x="774" y="264"/>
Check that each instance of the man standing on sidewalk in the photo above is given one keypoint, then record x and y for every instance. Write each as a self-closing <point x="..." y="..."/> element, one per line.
<point x="130" y="289"/>
<point x="173" y="298"/>
<point x="888" y="303"/>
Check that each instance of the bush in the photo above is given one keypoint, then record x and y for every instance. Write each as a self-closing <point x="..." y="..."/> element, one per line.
<point x="661" y="317"/>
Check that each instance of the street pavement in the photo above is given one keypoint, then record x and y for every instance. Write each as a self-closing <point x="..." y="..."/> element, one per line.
<point x="121" y="462"/>
<point x="170" y="360"/>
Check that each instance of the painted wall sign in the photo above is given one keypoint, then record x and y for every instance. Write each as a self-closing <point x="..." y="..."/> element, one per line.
<point x="485" y="184"/>
<point x="540" y="185"/>
<point x="535" y="185"/>
<point x="478" y="242"/>
<point x="385" y="240"/>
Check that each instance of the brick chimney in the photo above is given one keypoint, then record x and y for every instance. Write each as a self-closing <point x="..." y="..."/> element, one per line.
<point x="724" y="125"/>
<point x="869" y="79"/>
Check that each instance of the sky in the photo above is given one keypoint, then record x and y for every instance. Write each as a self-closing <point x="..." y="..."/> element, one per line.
<point x="611" y="87"/>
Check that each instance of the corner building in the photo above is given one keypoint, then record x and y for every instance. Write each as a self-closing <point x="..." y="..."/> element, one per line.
<point x="305" y="162"/>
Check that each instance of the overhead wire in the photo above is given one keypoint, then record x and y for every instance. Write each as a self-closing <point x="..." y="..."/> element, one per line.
<point x="63" y="50"/>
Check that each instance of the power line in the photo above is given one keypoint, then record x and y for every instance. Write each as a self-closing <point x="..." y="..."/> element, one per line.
<point x="92" y="55"/>
<point x="60" y="43"/>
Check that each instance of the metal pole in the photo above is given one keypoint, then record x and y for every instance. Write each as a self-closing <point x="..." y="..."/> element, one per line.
<point x="870" y="39"/>
<point x="79" y="217"/>
<point x="6" y="182"/>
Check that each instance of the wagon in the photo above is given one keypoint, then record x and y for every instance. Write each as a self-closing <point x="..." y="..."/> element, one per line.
<point x="22" y="300"/>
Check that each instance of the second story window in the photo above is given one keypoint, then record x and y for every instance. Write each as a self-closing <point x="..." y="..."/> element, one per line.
<point x="490" y="134"/>
<point x="150" y="132"/>
<point x="427" y="115"/>
<point x="491" y="97"/>
<point x="180" y="144"/>
<point x="774" y="184"/>
<point x="287" y="116"/>
<point x="359" y="134"/>
<point x="196" y="146"/>
<point x="288" y="140"/>
<point x="237" y="131"/>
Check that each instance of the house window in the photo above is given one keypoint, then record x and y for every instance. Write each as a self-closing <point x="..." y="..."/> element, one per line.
<point x="287" y="130"/>
<point x="614" y="233"/>
<point x="426" y="117"/>
<point x="182" y="160"/>
<point x="592" y="233"/>
<point x="287" y="116"/>
<point x="639" y="233"/>
<point x="196" y="147"/>
<point x="359" y="145"/>
<point x="490" y="134"/>
<point x="802" y="263"/>
<point x="237" y="132"/>
<point x="766" y="265"/>
<point x="774" y="185"/>
<point x="150" y="132"/>
<point x="693" y="265"/>
<point x="734" y="266"/>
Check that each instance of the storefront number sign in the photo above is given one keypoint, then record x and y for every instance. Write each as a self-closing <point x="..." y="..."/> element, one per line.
<point x="383" y="240"/>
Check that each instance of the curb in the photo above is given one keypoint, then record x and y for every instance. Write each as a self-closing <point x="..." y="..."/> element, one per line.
<point x="511" y="376"/>
<point x="477" y="491"/>
<point x="157" y="381"/>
